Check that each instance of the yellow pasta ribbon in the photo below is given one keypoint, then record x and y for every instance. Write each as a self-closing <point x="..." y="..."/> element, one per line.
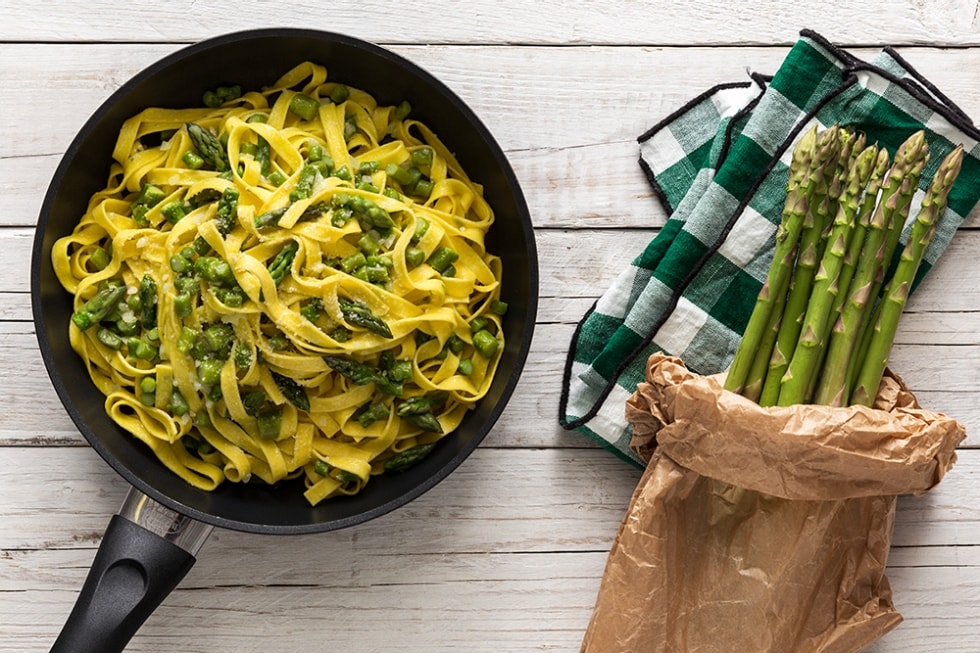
<point x="245" y="287"/>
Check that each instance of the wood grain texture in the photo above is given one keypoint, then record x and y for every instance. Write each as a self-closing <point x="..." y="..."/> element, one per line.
<point x="567" y="118"/>
<point x="506" y="554"/>
<point x="937" y="347"/>
<point x="512" y="539"/>
<point x="658" y="22"/>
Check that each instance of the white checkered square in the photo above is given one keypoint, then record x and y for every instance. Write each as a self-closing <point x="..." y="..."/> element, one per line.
<point x="750" y="236"/>
<point x="680" y="328"/>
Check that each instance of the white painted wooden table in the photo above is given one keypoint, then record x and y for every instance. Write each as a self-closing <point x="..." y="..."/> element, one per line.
<point x="506" y="554"/>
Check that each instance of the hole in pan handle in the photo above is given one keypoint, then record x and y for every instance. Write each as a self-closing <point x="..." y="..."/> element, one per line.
<point x="146" y="550"/>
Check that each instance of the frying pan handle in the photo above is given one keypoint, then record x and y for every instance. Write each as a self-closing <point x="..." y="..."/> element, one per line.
<point x="135" y="568"/>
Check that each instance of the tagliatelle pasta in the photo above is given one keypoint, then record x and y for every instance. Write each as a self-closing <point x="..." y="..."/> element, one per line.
<point x="285" y="283"/>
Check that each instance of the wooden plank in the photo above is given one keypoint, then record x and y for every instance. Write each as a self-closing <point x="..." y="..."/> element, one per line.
<point x="921" y="596"/>
<point x="349" y="601"/>
<point x="551" y="22"/>
<point x="581" y="264"/>
<point x="499" y="500"/>
<point x="945" y="379"/>
<point x="509" y="537"/>
<point x="507" y="603"/>
<point x="568" y="118"/>
<point x="575" y="267"/>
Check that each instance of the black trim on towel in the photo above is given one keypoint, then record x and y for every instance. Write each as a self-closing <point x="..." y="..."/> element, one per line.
<point x="648" y="134"/>
<point x="955" y="116"/>
<point x="566" y="380"/>
<point x="930" y="87"/>
<point x="688" y="278"/>
<point x="727" y="142"/>
<point x="842" y="54"/>
<point x="658" y="190"/>
<point x="918" y="87"/>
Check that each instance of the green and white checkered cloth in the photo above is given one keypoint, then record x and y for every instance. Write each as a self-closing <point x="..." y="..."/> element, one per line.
<point x="720" y="165"/>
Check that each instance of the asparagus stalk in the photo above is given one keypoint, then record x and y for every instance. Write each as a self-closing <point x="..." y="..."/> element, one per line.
<point x="895" y="232"/>
<point x="362" y="374"/>
<point x="148" y="301"/>
<point x="209" y="147"/>
<point x="97" y="308"/>
<point x="752" y="388"/>
<point x="844" y="346"/>
<point x="780" y="272"/>
<point x="226" y="215"/>
<point x="860" y="229"/>
<point x="797" y="383"/>
<point x="410" y="457"/>
<point x="419" y="411"/>
<point x="853" y="295"/>
<point x="851" y="148"/>
<point x="360" y="315"/>
<point x="281" y="264"/>
<point x="824" y="167"/>
<point x="896" y="296"/>
<point x="293" y="391"/>
<point x="914" y="154"/>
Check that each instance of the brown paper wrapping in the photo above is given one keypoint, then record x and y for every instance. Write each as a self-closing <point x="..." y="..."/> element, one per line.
<point x="761" y="530"/>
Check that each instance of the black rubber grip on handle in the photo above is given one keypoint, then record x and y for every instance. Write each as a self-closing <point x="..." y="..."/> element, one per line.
<point x="133" y="571"/>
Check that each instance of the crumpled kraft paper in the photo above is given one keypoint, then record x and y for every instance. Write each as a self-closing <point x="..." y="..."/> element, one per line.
<point x="761" y="530"/>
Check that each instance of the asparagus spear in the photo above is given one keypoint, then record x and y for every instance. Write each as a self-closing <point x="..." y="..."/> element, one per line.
<point x="148" y="197"/>
<point x="854" y="292"/>
<point x="304" y="184"/>
<point x="852" y="145"/>
<point x="94" y="310"/>
<point x="909" y="162"/>
<point x="797" y="383"/>
<point x="281" y="263"/>
<point x="425" y="421"/>
<point x="760" y="362"/>
<point x="402" y="461"/>
<point x="208" y="147"/>
<point x="860" y="230"/>
<point x="896" y="296"/>
<point x="369" y="414"/>
<point x="825" y="165"/>
<point x="270" y="218"/>
<point x="419" y="405"/>
<point x="148" y="301"/>
<point x="360" y="315"/>
<point x="292" y="390"/>
<point x="777" y="279"/>
<point x="895" y="231"/>
<point x="205" y="196"/>
<point x="227" y="214"/>
<point x="362" y="374"/>
<point x="418" y="411"/>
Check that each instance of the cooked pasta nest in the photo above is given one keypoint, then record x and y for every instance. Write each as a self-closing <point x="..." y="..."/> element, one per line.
<point x="286" y="283"/>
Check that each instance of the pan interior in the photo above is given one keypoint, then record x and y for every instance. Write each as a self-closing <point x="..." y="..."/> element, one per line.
<point x="255" y="59"/>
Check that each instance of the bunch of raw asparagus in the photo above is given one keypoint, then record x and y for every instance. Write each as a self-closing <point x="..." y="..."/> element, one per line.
<point x="823" y="324"/>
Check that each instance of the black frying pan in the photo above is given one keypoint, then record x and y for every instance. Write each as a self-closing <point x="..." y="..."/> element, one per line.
<point x="150" y="546"/>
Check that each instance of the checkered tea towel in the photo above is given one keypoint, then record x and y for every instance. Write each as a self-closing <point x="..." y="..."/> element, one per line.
<point x="720" y="165"/>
